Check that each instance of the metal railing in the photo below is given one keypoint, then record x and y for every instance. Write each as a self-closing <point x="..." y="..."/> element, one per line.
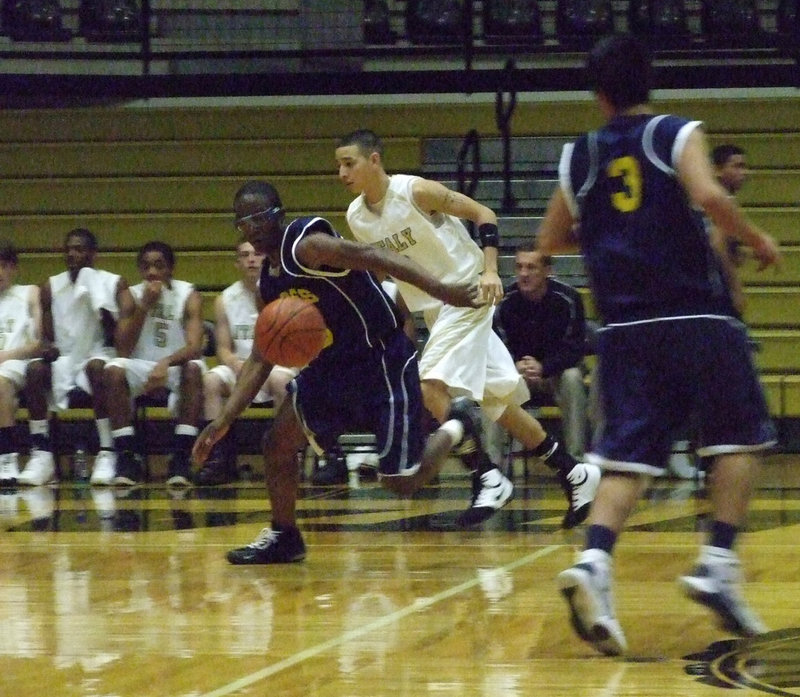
<point x="300" y="51"/>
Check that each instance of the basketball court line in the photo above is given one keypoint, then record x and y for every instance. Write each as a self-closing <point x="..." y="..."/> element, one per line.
<point x="420" y="604"/>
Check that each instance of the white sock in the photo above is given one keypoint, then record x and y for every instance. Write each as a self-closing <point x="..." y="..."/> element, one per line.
<point x="104" y="433"/>
<point x="709" y="555"/>
<point x="39" y="427"/>
<point x="124" y="431"/>
<point x="454" y="429"/>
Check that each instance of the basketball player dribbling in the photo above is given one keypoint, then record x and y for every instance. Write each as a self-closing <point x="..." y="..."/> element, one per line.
<point x="366" y="379"/>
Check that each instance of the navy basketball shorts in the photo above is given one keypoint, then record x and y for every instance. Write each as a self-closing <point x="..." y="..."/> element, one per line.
<point x="661" y="376"/>
<point x="376" y="392"/>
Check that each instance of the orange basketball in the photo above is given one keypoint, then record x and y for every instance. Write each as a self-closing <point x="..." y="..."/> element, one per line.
<point x="290" y="332"/>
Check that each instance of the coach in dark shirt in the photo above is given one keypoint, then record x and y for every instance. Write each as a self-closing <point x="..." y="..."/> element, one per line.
<point x="543" y="324"/>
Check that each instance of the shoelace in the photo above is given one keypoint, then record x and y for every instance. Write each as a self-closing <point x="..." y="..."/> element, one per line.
<point x="266" y="537"/>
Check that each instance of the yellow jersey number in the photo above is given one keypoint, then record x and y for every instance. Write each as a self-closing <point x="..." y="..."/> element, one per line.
<point x="629" y="198"/>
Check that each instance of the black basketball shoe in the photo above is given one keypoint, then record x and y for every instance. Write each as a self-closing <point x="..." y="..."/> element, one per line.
<point x="271" y="546"/>
<point x="129" y="469"/>
<point x="179" y="470"/>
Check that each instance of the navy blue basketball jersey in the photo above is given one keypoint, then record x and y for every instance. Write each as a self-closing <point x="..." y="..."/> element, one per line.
<point x="647" y="249"/>
<point x="355" y="307"/>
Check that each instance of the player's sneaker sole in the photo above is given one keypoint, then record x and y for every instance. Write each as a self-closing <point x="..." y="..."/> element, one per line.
<point x="733" y="615"/>
<point x="586" y="611"/>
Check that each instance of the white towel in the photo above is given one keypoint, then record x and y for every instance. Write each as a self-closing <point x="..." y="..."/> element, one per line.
<point x="101" y="287"/>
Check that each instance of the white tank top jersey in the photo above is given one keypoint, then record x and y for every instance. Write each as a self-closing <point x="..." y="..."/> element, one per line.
<point x="16" y="324"/>
<point x="440" y="242"/>
<point x="240" y="309"/>
<point x="162" y="332"/>
<point x="74" y="316"/>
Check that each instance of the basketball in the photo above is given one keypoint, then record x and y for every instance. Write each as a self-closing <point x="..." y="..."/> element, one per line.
<point x="290" y="332"/>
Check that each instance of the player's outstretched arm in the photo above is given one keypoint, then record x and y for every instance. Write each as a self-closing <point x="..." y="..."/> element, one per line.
<point x="253" y="375"/>
<point x="556" y="233"/>
<point x="325" y="250"/>
<point x="434" y="197"/>
<point x="698" y="179"/>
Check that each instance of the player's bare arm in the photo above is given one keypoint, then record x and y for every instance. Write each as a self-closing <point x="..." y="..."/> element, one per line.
<point x="192" y="329"/>
<point x="556" y="233"/>
<point x="124" y="340"/>
<point x="129" y="324"/>
<point x="697" y="177"/>
<point x="321" y="249"/>
<point x="434" y="197"/>
<point x="49" y="351"/>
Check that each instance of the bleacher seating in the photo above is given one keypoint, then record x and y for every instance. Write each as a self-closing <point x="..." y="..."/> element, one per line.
<point x="134" y="174"/>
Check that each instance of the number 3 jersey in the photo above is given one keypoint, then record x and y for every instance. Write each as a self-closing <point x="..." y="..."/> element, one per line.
<point x="162" y="332"/>
<point x="646" y="248"/>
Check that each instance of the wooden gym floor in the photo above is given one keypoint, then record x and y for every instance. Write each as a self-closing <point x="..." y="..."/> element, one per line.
<point x="131" y="596"/>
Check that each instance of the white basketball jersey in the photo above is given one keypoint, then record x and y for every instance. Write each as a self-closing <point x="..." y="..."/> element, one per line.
<point x="241" y="311"/>
<point x="16" y="324"/>
<point x="77" y="329"/>
<point x="440" y="242"/>
<point x="162" y="332"/>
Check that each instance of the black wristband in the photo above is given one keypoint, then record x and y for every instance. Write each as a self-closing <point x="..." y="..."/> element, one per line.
<point x="488" y="235"/>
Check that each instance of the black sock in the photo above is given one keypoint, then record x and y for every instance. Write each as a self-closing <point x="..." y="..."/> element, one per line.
<point x="553" y="454"/>
<point x="123" y="443"/>
<point x="600" y="537"/>
<point x="722" y="534"/>
<point x="40" y="441"/>
<point x="184" y="443"/>
<point x="7" y="439"/>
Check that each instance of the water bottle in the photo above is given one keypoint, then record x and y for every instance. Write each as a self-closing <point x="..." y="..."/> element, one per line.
<point x="80" y="464"/>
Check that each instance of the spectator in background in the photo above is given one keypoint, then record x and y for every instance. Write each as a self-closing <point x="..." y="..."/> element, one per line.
<point x="542" y="322"/>
<point x="730" y="168"/>
<point x="160" y="349"/>
<point x="235" y="313"/>
<point x="79" y="309"/>
<point x="20" y="329"/>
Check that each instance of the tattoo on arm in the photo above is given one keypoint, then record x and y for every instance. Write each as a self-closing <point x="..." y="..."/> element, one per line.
<point x="449" y="200"/>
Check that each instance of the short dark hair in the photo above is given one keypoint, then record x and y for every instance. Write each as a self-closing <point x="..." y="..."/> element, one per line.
<point x="722" y="153"/>
<point x="8" y="252"/>
<point x="89" y="240"/>
<point x="261" y="190"/>
<point x="618" y="67"/>
<point x="157" y="246"/>
<point x="366" y="140"/>
<point x="524" y="247"/>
